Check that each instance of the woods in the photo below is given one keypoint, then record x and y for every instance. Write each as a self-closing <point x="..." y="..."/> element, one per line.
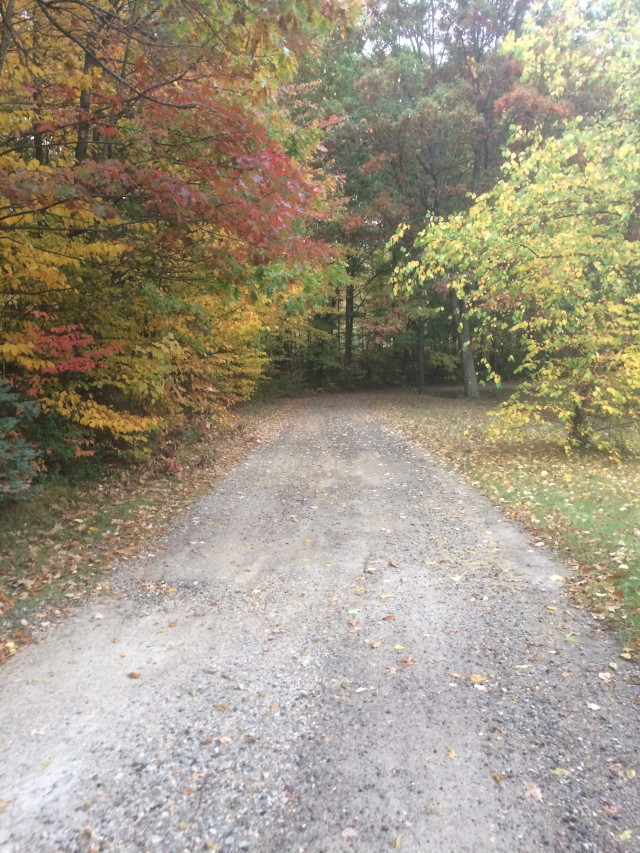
<point x="336" y="195"/>
<point x="155" y="210"/>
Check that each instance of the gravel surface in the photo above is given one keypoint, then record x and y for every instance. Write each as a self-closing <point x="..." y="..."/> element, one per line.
<point x="343" y="648"/>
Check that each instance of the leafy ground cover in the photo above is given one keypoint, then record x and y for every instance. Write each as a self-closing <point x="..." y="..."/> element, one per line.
<point x="59" y="547"/>
<point x="583" y="504"/>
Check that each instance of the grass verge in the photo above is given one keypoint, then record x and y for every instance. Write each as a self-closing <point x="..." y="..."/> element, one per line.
<point x="56" y="548"/>
<point x="582" y="504"/>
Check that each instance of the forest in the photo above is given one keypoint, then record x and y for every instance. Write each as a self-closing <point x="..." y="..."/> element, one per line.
<point x="198" y="197"/>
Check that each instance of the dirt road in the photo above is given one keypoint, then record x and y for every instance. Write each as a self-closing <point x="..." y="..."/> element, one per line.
<point x="342" y="648"/>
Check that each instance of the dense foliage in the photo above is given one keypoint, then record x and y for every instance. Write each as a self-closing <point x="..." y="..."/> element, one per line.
<point x="190" y="191"/>
<point x="550" y="254"/>
<point x="154" y="207"/>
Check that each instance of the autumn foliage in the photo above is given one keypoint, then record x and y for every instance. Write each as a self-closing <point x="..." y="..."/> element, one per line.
<point x="155" y="199"/>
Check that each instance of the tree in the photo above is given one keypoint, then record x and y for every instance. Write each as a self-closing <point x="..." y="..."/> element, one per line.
<point x="154" y="200"/>
<point x="553" y="249"/>
<point x="409" y="107"/>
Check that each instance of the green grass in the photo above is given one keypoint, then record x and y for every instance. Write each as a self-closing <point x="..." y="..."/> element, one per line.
<point x="581" y="503"/>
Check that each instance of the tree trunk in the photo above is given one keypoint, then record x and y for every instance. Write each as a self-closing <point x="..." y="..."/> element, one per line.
<point x="420" y="353"/>
<point x="82" y="144"/>
<point x="471" y="387"/>
<point x="348" y="325"/>
<point x="5" y="38"/>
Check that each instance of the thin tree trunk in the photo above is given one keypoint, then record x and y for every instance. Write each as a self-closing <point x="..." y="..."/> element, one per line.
<point x="348" y="325"/>
<point x="420" y="353"/>
<point x="82" y="144"/>
<point x="471" y="387"/>
<point x="5" y="38"/>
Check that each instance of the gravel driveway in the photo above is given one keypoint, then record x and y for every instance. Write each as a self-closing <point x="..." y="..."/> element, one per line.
<point x="342" y="648"/>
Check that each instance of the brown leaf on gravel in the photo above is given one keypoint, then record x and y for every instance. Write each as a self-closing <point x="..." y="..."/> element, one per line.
<point x="133" y="675"/>
<point x="408" y="661"/>
<point x="497" y="777"/>
<point x="376" y="645"/>
<point x="389" y="619"/>
<point x="532" y="790"/>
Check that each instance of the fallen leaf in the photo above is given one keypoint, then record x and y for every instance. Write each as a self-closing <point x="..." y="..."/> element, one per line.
<point x="389" y="619"/>
<point x="614" y="666"/>
<point x="134" y="675"/>
<point x="451" y="753"/>
<point x="572" y="637"/>
<point x="394" y="565"/>
<point x="551" y="607"/>
<point x="626" y="655"/>
<point x="353" y="622"/>
<point x="173" y="624"/>
<point x="606" y="676"/>
<point x="627" y="835"/>
<point x="399" y="647"/>
<point x="224" y="739"/>
<point x="532" y="790"/>
<point x="376" y="644"/>
<point x="384" y="596"/>
<point x="123" y="655"/>
<point x="497" y="777"/>
<point x="455" y="675"/>
<point x="397" y="841"/>
<point x="560" y="771"/>
<point x="349" y="832"/>
<point x="362" y="689"/>
<point x="631" y="773"/>
<point x="477" y="679"/>
<point x="221" y="707"/>
<point x="408" y="661"/>
<point x="593" y="706"/>
<point x="3" y="803"/>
